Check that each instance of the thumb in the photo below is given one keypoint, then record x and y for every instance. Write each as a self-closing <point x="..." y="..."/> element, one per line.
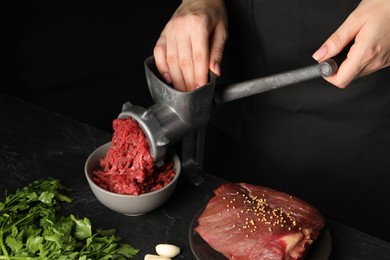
<point x="337" y="41"/>
<point x="217" y="44"/>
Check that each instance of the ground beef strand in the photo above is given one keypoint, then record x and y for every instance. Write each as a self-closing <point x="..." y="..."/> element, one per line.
<point x="128" y="167"/>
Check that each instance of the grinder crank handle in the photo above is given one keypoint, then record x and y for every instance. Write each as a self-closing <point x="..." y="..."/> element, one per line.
<point x="251" y="87"/>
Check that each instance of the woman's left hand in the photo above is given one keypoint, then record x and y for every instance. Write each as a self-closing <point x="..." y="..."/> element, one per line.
<point x="369" y="27"/>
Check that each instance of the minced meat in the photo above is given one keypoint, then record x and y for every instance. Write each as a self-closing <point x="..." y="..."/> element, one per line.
<point x="128" y="167"/>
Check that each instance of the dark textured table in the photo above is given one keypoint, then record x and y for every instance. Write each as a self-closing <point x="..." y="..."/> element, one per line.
<point x="36" y="144"/>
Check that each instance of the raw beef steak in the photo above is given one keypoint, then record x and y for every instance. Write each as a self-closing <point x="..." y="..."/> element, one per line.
<point x="244" y="221"/>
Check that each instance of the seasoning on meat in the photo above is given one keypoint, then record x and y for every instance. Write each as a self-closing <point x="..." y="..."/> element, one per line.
<point x="244" y="221"/>
<point x="128" y="167"/>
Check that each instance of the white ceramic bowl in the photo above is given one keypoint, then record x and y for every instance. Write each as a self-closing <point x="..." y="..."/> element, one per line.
<point x="130" y="205"/>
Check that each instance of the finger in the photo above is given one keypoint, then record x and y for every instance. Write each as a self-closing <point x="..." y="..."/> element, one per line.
<point x="160" y="57"/>
<point x="218" y="40"/>
<point x="349" y="69"/>
<point x="184" y="47"/>
<point x="338" y="40"/>
<point x="200" y="57"/>
<point x="173" y="64"/>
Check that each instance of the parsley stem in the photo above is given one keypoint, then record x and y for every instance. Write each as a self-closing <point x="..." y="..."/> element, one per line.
<point x="3" y="248"/>
<point x="17" y="257"/>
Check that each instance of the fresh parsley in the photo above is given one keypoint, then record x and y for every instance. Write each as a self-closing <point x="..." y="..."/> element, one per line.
<point x="32" y="228"/>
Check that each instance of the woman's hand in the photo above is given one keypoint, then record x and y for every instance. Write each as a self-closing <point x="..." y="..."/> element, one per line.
<point x="369" y="26"/>
<point x="192" y="43"/>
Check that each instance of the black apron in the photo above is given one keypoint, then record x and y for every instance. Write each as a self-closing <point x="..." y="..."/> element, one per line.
<point x="328" y="146"/>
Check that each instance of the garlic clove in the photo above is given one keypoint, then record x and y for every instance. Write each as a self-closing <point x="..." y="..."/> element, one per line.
<point x="155" y="257"/>
<point x="167" y="250"/>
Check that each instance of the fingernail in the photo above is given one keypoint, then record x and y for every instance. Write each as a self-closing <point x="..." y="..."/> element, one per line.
<point x="217" y="69"/>
<point x="320" y="53"/>
<point x="167" y="78"/>
<point x="199" y="85"/>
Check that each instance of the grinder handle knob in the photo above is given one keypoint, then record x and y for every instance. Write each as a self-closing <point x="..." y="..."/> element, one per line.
<point x="330" y="66"/>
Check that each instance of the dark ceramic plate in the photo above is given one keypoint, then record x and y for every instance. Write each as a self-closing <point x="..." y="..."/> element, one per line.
<point x="319" y="250"/>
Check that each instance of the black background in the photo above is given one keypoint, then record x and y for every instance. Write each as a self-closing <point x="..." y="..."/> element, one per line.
<point x="83" y="59"/>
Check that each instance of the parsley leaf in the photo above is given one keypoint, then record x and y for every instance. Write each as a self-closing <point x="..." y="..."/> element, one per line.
<point x="31" y="228"/>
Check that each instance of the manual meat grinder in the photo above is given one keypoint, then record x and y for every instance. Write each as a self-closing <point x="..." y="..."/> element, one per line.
<point x="183" y="116"/>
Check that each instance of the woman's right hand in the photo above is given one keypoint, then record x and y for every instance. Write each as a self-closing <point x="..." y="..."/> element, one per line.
<point x="192" y="43"/>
